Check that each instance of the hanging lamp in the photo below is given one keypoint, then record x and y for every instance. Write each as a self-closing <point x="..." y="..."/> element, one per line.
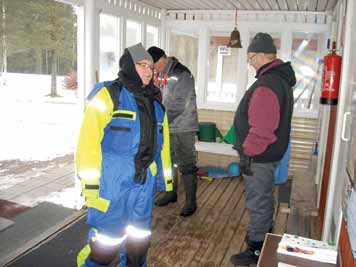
<point x="235" y="40"/>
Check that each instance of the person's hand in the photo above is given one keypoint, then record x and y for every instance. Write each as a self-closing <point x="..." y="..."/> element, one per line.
<point x="245" y="165"/>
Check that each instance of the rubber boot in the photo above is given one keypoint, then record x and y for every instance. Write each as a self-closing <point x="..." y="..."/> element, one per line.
<point x="190" y="186"/>
<point x="136" y="252"/>
<point x="169" y="197"/>
<point x="249" y="256"/>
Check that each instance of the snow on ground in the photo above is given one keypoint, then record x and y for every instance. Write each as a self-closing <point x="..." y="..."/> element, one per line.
<point x="34" y="125"/>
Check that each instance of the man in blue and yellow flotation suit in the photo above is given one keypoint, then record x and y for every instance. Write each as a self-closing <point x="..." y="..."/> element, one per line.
<point x="122" y="159"/>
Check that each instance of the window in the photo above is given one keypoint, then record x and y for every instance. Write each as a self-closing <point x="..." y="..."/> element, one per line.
<point x="151" y="36"/>
<point x="109" y="46"/>
<point x="133" y="33"/>
<point x="185" y="49"/>
<point x="307" y="64"/>
<point x="251" y="72"/>
<point x="223" y="71"/>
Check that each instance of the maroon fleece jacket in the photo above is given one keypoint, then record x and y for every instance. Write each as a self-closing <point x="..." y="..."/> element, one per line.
<point x="263" y="117"/>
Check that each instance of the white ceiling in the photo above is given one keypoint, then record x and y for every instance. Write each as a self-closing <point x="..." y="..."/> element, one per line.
<point x="262" y="5"/>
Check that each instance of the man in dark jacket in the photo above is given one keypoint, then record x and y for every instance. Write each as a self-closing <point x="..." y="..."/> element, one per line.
<point x="262" y="127"/>
<point x="178" y="91"/>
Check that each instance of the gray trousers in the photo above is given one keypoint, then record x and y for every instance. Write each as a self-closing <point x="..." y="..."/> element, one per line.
<point x="183" y="151"/>
<point x="259" y="190"/>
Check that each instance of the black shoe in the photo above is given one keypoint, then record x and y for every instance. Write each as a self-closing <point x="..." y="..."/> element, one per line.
<point x="245" y="258"/>
<point x="169" y="197"/>
<point x="249" y="256"/>
<point x="188" y="210"/>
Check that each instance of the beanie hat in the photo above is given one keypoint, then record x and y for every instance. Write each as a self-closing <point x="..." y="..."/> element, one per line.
<point x="156" y="53"/>
<point x="262" y="43"/>
<point x="139" y="53"/>
<point x="128" y="70"/>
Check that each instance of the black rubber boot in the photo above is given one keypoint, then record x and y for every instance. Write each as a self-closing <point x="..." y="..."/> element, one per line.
<point x="190" y="186"/>
<point x="249" y="256"/>
<point x="169" y="197"/>
<point x="136" y="252"/>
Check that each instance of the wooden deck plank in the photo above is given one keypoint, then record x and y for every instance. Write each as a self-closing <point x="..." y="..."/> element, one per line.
<point x="166" y="217"/>
<point x="281" y="219"/>
<point x="315" y="232"/>
<point x="192" y="238"/>
<point x="213" y="234"/>
<point x="222" y="231"/>
<point x="215" y="223"/>
<point x="166" y="246"/>
<point x="237" y="240"/>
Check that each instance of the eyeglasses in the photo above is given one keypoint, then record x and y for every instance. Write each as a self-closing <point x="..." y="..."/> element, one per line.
<point x="249" y="58"/>
<point x="146" y="66"/>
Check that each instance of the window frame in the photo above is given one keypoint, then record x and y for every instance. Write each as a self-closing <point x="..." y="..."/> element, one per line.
<point x="205" y="29"/>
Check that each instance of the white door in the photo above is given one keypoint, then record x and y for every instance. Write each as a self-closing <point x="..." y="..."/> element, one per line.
<point x="344" y="139"/>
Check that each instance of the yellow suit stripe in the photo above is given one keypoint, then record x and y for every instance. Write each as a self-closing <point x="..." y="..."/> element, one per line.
<point x="166" y="156"/>
<point x="97" y="114"/>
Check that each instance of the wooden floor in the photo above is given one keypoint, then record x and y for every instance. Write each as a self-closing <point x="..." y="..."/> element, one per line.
<point x="215" y="232"/>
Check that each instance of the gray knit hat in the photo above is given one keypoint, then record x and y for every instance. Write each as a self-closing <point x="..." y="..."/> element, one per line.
<point x="139" y="53"/>
<point x="262" y="43"/>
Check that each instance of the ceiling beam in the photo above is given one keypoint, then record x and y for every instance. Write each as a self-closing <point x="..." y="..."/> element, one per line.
<point x="254" y="4"/>
<point x="232" y="3"/>
<point x="241" y="5"/>
<point x="302" y="5"/>
<point x="273" y="4"/>
<point x="331" y="5"/>
<point x="206" y="4"/>
<point x="283" y="5"/>
<point x="265" y="4"/>
<point x="219" y="4"/>
<point x="321" y="6"/>
<point x="312" y="4"/>
<point x="292" y="5"/>
<point x="161" y="4"/>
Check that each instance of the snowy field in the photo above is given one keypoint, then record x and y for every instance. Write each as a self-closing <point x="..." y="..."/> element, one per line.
<point x="35" y="126"/>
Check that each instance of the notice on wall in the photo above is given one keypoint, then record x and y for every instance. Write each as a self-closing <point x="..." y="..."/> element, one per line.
<point x="224" y="50"/>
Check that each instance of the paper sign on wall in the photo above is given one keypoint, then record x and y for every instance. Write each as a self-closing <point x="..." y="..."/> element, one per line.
<point x="224" y="50"/>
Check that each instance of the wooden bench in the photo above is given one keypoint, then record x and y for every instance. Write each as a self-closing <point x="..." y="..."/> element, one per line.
<point x="215" y="148"/>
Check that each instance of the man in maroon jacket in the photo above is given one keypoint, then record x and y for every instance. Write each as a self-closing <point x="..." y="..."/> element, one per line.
<point x="262" y="127"/>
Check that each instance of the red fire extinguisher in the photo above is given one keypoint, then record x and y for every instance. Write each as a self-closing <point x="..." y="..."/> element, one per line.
<point x="331" y="77"/>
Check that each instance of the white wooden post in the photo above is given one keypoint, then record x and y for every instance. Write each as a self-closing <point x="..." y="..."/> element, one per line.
<point x="202" y="64"/>
<point x="91" y="29"/>
<point x="163" y="35"/>
<point x="286" y="45"/>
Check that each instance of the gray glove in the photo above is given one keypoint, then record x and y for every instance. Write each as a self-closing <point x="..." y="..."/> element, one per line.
<point x="245" y="165"/>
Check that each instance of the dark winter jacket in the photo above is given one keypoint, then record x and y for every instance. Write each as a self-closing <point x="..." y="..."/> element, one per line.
<point x="263" y="119"/>
<point x="179" y="97"/>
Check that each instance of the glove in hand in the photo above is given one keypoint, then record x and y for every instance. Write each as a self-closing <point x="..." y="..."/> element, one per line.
<point x="245" y="165"/>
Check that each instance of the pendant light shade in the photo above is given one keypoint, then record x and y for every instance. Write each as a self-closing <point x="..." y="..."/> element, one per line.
<point x="235" y="40"/>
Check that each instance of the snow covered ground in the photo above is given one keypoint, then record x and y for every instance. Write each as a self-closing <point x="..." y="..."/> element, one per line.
<point x="35" y="126"/>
